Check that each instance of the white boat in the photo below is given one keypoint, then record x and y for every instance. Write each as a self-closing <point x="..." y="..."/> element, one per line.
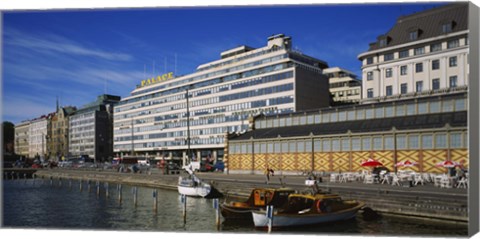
<point x="193" y="187"/>
<point x="304" y="209"/>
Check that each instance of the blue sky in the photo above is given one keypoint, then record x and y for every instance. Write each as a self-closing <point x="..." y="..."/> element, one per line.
<point x="80" y="54"/>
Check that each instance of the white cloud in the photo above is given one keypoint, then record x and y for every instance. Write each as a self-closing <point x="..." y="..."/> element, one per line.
<point x="56" y="43"/>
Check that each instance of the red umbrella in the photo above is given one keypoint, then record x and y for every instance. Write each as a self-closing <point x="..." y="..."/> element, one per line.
<point x="371" y="163"/>
<point x="448" y="164"/>
<point x="406" y="163"/>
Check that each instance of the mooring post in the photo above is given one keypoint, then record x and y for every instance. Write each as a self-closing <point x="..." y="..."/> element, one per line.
<point x="184" y="202"/>
<point x="33" y="179"/>
<point x="59" y="181"/>
<point x="134" y="196"/>
<point x="51" y="180"/>
<point x="270" y="217"/>
<point x="81" y="185"/>
<point x="18" y="175"/>
<point x="88" y="186"/>
<point x="217" y="212"/>
<point x="155" y="201"/>
<point x="106" y="189"/>
<point x="70" y="184"/>
<point x="98" y="188"/>
<point x="119" y="189"/>
<point x="25" y="177"/>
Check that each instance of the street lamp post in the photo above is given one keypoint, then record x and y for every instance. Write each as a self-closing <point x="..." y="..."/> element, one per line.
<point x="188" y="131"/>
<point x="133" y="146"/>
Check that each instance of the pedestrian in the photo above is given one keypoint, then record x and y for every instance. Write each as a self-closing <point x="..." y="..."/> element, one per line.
<point x="267" y="175"/>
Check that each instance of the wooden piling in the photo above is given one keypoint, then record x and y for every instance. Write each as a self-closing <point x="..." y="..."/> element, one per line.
<point x="184" y="201"/>
<point x="106" y="190"/>
<point x="135" y="196"/>
<point x="155" y="201"/>
<point x="98" y="189"/>
<point x="119" y="189"/>
<point x="217" y="212"/>
<point x="81" y="185"/>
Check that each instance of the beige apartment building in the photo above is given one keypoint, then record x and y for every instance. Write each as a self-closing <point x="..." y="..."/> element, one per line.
<point x="59" y="132"/>
<point x="425" y="52"/>
<point x="345" y="87"/>
<point x="22" y="138"/>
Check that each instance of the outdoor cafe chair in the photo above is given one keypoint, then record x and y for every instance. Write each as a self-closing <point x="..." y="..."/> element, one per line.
<point x="386" y="178"/>
<point x="462" y="183"/>
<point x="445" y="182"/>
<point x="333" y="177"/>
<point x="395" y="180"/>
<point x="418" y="178"/>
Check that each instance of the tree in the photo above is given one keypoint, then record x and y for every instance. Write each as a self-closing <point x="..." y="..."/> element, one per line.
<point x="8" y="136"/>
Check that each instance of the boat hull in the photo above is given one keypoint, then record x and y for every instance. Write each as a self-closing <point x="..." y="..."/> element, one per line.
<point x="229" y="212"/>
<point x="286" y="220"/>
<point x="200" y="191"/>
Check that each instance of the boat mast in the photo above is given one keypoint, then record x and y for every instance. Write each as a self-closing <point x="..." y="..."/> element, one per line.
<point x="188" y="131"/>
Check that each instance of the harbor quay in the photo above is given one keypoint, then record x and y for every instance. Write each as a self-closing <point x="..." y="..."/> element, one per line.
<point x="421" y="201"/>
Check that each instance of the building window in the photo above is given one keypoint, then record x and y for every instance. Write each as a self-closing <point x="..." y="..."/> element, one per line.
<point x="370" y="93"/>
<point x="403" y="54"/>
<point x="403" y="88"/>
<point x="419" y="86"/>
<point x="466" y="40"/>
<point x="453" y="43"/>
<point x="447" y="27"/>
<point x="383" y="42"/>
<point x="434" y="107"/>
<point x="453" y="81"/>
<point x="455" y="140"/>
<point x="419" y="51"/>
<point x="419" y="67"/>
<point x="413" y="142"/>
<point x="427" y="141"/>
<point x="388" y="57"/>
<point x="388" y="72"/>
<point x="403" y="70"/>
<point x="452" y="61"/>
<point x="401" y="142"/>
<point x="413" y="35"/>
<point x="370" y="75"/>
<point x="435" y="84"/>
<point x="369" y="60"/>
<point x="440" y="141"/>
<point x="388" y="90"/>
<point x="436" y="47"/>
<point x="435" y="64"/>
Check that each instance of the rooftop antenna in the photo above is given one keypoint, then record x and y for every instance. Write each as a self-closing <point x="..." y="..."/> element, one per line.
<point x="144" y="70"/>
<point x="57" y="104"/>
<point x="153" y="64"/>
<point x="105" y="89"/>
<point x="165" y="64"/>
<point x="175" y="71"/>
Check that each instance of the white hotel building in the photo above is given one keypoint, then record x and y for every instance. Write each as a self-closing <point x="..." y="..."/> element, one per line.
<point x="423" y="52"/>
<point x="222" y="95"/>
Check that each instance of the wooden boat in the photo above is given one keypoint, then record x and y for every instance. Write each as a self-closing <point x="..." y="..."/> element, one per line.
<point x="303" y="209"/>
<point x="193" y="187"/>
<point x="258" y="199"/>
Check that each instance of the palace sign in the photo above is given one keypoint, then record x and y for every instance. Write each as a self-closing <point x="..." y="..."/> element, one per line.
<point x="157" y="79"/>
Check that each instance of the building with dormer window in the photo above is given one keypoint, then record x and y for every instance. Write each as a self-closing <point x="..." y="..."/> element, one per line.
<point x="423" y="52"/>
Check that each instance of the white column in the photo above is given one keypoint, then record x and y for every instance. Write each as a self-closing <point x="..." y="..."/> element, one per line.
<point x="444" y="78"/>
<point x="462" y="66"/>
<point x="411" y="86"/>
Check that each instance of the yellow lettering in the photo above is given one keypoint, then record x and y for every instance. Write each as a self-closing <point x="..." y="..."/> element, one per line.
<point x="157" y="79"/>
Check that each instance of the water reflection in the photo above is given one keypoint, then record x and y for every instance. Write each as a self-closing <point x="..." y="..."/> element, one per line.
<point x="59" y="207"/>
